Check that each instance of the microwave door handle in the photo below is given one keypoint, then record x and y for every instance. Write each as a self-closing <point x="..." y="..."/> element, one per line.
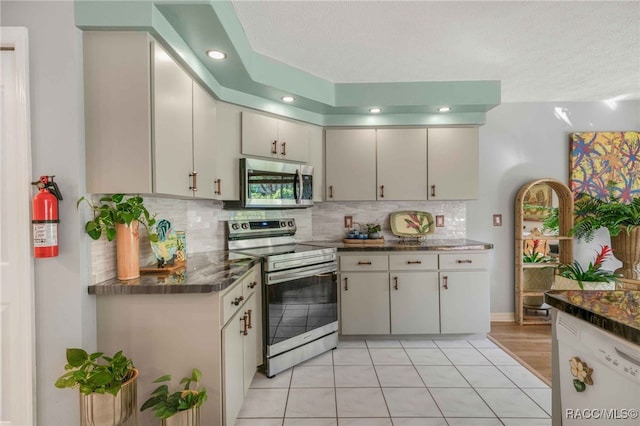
<point x="300" y="186"/>
<point x="297" y="192"/>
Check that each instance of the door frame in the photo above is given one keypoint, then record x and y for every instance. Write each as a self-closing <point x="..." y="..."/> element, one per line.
<point x="21" y="371"/>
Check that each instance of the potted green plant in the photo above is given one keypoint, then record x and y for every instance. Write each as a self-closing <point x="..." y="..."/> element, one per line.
<point x="107" y="386"/>
<point x="373" y="230"/>
<point x="180" y="407"/>
<point x="574" y="275"/>
<point x="119" y="217"/>
<point x="622" y="220"/>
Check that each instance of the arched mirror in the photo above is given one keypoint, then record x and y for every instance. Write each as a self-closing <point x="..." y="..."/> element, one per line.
<point x="543" y="218"/>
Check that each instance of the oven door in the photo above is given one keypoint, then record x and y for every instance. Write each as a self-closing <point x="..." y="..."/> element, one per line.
<point x="273" y="184"/>
<point x="300" y="307"/>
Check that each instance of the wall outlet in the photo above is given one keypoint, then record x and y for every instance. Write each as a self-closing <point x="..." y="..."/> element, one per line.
<point x="348" y="222"/>
<point x="439" y="221"/>
<point x="497" y="220"/>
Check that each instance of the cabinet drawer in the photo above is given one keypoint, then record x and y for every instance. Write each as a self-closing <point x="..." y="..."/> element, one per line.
<point x="463" y="261"/>
<point x="365" y="262"/>
<point x="231" y="302"/>
<point x="250" y="283"/>
<point x="408" y="262"/>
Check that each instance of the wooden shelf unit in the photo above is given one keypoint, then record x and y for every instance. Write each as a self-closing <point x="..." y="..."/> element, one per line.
<point x="524" y="282"/>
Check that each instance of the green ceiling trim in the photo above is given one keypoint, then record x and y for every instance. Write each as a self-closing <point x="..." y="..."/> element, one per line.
<point x="255" y="81"/>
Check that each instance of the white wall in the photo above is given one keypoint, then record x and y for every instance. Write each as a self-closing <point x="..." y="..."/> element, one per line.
<point x="65" y="313"/>
<point x="519" y="143"/>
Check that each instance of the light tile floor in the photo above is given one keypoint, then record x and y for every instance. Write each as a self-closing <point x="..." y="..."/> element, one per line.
<point x="401" y="383"/>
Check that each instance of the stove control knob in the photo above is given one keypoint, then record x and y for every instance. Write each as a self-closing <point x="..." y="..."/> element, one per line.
<point x="283" y="224"/>
<point x="235" y="227"/>
<point x="245" y="226"/>
<point x="290" y="223"/>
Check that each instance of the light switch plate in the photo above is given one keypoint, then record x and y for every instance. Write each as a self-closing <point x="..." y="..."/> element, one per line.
<point x="348" y="221"/>
<point x="497" y="220"/>
<point x="439" y="221"/>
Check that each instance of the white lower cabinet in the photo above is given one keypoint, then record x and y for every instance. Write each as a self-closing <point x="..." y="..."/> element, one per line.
<point x="174" y="333"/>
<point x="413" y="293"/>
<point x="238" y="359"/>
<point x="364" y="302"/>
<point x="464" y="302"/>
<point x="415" y="307"/>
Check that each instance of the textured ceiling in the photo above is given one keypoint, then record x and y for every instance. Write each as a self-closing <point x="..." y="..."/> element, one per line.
<point x="540" y="51"/>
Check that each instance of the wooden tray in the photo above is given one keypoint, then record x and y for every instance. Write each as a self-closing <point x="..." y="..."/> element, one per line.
<point x="153" y="269"/>
<point x="367" y="242"/>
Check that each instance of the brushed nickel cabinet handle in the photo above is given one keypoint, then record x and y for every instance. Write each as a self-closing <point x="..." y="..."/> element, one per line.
<point x="218" y="189"/>
<point x="284" y="148"/>
<point x="445" y="281"/>
<point x="364" y="262"/>
<point x="433" y="190"/>
<point x="274" y="147"/>
<point x="381" y="191"/>
<point x="414" y="262"/>
<point x="194" y="175"/>
<point x="346" y="284"/>
<point x="395" y="283"/>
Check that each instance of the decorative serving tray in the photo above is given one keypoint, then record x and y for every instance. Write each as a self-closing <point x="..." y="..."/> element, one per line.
<point x="411" y="223"/>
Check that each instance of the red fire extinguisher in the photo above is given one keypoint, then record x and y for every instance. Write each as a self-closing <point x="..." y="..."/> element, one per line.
<point x="45" y="218"/>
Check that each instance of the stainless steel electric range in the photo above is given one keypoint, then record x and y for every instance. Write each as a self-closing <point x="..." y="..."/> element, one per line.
<point x="300" y="317"/>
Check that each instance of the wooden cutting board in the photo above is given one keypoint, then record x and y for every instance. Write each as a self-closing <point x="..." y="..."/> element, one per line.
<point x="367" y="242"/>
<point x="168" y="269"/>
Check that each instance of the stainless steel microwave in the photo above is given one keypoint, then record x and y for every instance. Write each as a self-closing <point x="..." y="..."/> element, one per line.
<point x="275" y="184"/>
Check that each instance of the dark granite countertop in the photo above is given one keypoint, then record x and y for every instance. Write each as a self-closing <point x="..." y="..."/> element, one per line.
<point x="204" y="273"/>
<point x="616" y="311"/>
<point x="398" y="245"/>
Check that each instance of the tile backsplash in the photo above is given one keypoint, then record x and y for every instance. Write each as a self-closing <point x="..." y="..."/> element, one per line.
<point x="204" y="224"/>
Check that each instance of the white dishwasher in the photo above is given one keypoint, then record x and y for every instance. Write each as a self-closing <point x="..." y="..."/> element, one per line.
<point x="599" y="375"/>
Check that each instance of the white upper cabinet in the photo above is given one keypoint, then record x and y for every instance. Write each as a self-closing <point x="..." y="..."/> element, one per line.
<point x="149" y="127"/>
<point x="316" y="159"/>
<point x="453" y="163"/>
<point x="227" y="185"/>
<point x="402" y="164"/>
<point x="350" y="165"/>
<point x="270" y="137"/>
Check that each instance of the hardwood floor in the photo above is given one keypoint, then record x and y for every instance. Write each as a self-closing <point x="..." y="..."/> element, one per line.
<point x="530" y="344"/>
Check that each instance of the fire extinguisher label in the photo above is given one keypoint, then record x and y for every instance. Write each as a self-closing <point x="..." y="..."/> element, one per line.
<point x="45" y="234"/>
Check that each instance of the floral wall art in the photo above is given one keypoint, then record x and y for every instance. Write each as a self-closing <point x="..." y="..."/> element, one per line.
<point x="597" y="158"/>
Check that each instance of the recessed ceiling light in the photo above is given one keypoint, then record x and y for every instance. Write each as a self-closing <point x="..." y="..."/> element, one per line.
<point x="374" y="110"/>
<point x="444" y="109"/>
<point x="216" y="54"/>
<point x="288" y="99"/>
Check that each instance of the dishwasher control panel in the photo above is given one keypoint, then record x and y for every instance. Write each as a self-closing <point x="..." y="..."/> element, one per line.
<point x="614" y="353"/>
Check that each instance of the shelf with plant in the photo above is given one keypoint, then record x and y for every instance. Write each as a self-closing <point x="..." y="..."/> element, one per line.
<point x="165" y="403"/>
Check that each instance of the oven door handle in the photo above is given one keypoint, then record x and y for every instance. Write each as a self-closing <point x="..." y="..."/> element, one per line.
<point x="294" y="274"/>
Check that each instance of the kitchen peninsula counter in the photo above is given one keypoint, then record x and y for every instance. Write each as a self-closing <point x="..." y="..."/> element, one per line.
<point x="616" y="311"/>
<point x="204" y="273"/>
<point x="398" y="245"/>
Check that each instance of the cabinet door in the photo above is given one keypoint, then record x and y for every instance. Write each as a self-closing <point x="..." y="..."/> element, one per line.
<point x="293" y="141"/>
<point x="316" y="154"/>
<point x="402" y="164"/>
<point x="464" y="302"/>
<point x="259" y="132"/>
<point x="172" y="126"/>
<point x="453" y="163"/>
<point x="233" y="367"/>
<point x="250" y="342"/>
<point x="364" y="303"/>
<point x="204" y="142"/>
<point x="415" y="303"/>
<point x="350" y="167"/>
<point x="228" y="152"/>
